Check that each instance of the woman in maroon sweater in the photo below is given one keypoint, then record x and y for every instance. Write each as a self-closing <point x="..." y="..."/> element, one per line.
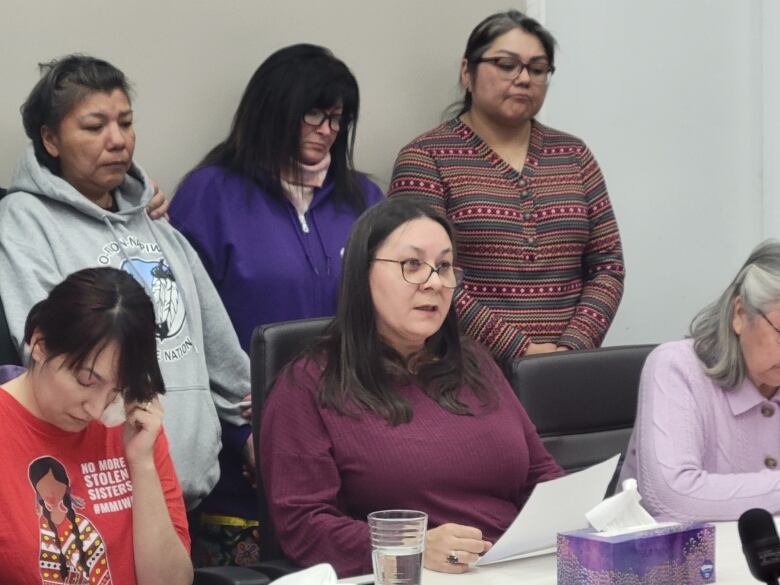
<point x="392" y="408"/>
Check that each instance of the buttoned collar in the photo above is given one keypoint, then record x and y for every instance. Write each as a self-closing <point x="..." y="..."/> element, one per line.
<point x="746" y="396"/>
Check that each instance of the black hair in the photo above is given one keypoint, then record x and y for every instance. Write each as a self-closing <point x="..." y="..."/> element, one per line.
<point x="38" y="470"/>
<point x="64" y="83"/>
<point x="363" y="371"/>
<point x="264" y="139"/>
<point x="90" y="309"/>
<point x="488" y="31"/>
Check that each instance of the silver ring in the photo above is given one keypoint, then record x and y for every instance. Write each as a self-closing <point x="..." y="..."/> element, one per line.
<point x="452" y="558"/>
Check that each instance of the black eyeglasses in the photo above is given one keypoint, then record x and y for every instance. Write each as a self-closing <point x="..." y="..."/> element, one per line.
<point x="414" y="272"/>
<point x="772" y="325"/>
<point x="317" y="117"/>
<point x="510" y="68"/>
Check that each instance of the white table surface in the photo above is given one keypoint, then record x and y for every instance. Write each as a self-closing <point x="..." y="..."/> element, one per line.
<point x="730" y="567"/>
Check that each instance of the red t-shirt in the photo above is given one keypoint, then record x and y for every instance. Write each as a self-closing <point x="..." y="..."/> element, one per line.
<point x="66" y="501"/>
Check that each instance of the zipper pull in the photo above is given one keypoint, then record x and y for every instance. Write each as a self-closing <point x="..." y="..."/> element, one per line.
<point x="304" y="224"/>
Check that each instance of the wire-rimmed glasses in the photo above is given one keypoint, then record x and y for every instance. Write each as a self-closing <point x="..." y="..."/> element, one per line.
<point x="772" y="325"/>
<point x="414" y="271"/>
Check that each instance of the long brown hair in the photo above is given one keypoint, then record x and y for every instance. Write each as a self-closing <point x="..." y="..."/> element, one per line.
<point x="362" y="373"/>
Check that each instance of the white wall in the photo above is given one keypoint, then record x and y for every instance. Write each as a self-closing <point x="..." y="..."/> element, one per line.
<point x="677" y="100"/>
<point x="770" y="78"/>
<point x="669" y="96"/>
<point x="190" y="61"/>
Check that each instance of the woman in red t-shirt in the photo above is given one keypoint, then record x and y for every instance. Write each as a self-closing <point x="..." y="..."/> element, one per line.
<point x="90" y="498"/>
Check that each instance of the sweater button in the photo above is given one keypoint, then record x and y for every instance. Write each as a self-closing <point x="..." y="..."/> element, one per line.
<point x="767" y="410"/>
<point x="527" y="216"/>
<point x="770" y="462"/>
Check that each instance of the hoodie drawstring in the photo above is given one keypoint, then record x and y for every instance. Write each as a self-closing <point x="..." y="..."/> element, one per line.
<point x="322" y="244"/>
<point x="183" y="294"/>
<point x="117" y="241"/>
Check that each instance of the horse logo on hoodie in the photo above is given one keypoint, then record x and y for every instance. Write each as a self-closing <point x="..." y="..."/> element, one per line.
<point x="158" y="280"/>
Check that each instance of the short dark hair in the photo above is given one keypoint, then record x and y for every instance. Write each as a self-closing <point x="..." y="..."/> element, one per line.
<point x="360" y="369"/>
<point x="264" y="139"/>
<point x="92" y="308"/>
<point x="64" y="83"/>
<point x="488" y="31"/>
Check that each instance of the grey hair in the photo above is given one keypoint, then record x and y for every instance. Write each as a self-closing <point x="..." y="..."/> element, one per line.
<point x="714" y="340"/>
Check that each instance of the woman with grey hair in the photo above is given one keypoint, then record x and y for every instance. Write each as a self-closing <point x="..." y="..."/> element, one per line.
<point x="539" y="241"/>
<point x="706" y="444"/>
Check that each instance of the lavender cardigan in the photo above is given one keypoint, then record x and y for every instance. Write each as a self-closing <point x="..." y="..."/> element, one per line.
<point x="700" y="451"/>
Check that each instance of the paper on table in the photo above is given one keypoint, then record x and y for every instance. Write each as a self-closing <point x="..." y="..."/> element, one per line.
<point x="555" y="506"/>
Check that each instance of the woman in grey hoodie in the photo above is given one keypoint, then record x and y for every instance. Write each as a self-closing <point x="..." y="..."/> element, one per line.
<point x="78" y="200"/>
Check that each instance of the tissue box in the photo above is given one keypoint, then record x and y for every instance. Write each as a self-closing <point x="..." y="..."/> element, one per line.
<point x="679" y="554"/>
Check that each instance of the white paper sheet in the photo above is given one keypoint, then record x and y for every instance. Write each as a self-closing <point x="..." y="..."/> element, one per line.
<point x="555" y="506"/>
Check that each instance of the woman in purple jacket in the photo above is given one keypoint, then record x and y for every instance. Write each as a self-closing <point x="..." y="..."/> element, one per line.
<point x="269" y="209"/>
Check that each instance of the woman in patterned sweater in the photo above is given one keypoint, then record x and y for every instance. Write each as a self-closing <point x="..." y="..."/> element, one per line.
<point x="537" y="235"/>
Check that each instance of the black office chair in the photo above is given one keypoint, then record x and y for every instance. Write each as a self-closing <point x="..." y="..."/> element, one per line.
<point x="273" y="347"/>
<point x="583" y="403"/>
<point x="229" y="576"/>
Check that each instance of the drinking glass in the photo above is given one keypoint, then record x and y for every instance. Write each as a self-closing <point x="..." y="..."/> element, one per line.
<point x="397" y="543"/>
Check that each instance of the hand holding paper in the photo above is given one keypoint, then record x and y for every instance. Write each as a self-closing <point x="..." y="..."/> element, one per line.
<point x="554" y="506"/>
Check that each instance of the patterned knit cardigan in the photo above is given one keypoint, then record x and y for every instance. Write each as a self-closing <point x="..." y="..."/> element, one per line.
<point x="541" y="248"/>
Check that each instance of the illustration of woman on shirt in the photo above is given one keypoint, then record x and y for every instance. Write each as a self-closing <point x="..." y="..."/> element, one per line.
<point x="72" y="551"/>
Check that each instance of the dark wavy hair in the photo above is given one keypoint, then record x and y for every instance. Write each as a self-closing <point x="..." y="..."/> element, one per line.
<point x="264" y="139"/>
<point x="488" y="31"/>
<point x="361" y="372"/>
<point x="38" y="470"/>
<point x="92" y="308"/>
<point x="64" y="83"/>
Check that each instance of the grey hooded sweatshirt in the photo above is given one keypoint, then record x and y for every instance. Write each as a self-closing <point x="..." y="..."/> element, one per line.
<point x="49" y="230"/>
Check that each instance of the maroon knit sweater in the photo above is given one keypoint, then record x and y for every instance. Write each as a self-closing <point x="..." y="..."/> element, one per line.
<point x="541" y="248"/>
<point x="324" y="472"/>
